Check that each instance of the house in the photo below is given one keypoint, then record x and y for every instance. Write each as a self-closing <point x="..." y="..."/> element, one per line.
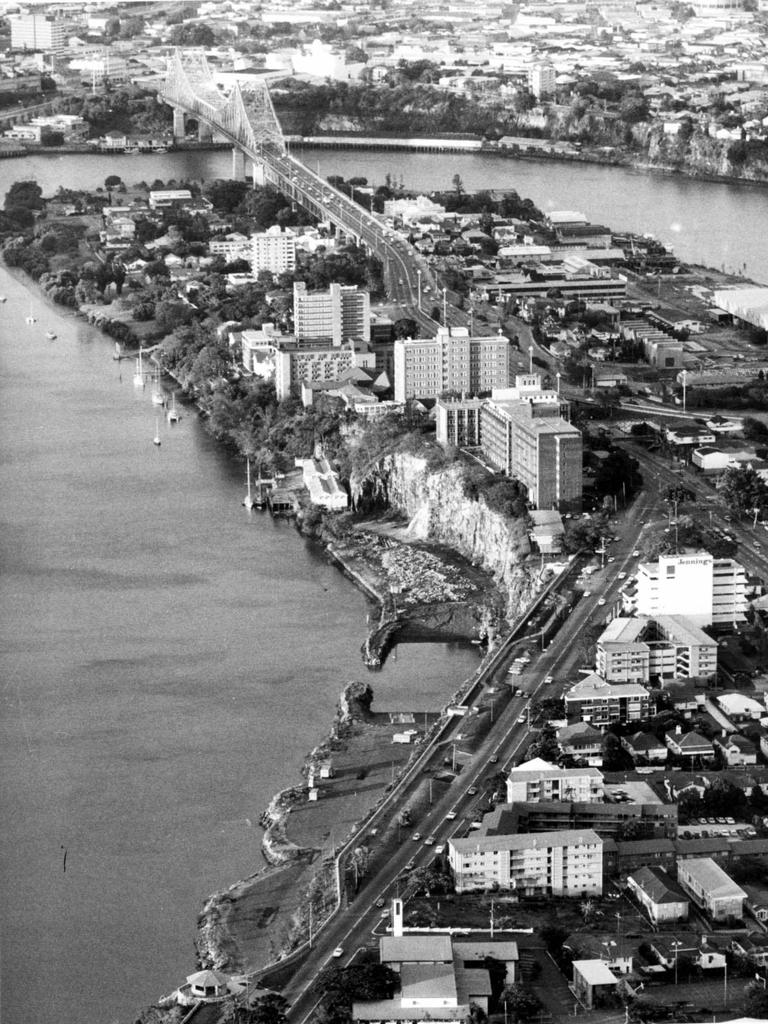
<point x="736" y="750"/>
<point x="594" y="983"/>
<point x="757" y="901"/>
<point x="689" y="744"/>
<point x="582" y="742"/>
<point x="753" y="947"/>
<point x="737" y="706"/>
<point x="439" y="979"/>
<point x="656" y="892"/>
<point x="710" y="888"/>
<point x="645" y="748"/>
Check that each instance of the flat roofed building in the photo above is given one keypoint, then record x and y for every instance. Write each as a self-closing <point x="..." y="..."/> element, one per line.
<point x="541" y="450"/>
<point x="562" y="863"/>
<point x="593" y="980"/>
<point x="273" y="250"/>
<point x="704" y="589"/>
<point x="609" y="820"/>
<point x="457" y="421"/>
<point x="451" y="361"/>
<point x="39" y="32"/>
<point x="594" y="700"/>
<point x="296" y="364"/>
<point x="711" y="888"/>
<point x="664" y="647"/>
<point x="340" y="314"/>
<point x="537" y="780"/>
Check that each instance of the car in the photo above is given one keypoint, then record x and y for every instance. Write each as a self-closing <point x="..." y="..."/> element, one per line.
<point x="416" y="837"/>
<point x="410" y="865"/>
<point x="339" y="951"/>
<point x="601" y="600"/>
<point x="635" y="553"/>
<point x="451" y="815"/>
<point x="472" y="791"/>
<point x="721" y="821"/>
<point x="612" y="559"/>
<point x="429" y="841"/>
<point x="730" y="821"/>
<point x="548" y="679"/>
<point x="380" y="901"/>
<point x="711" y="821"/>
<point x="587" y="593"/>
<point x="621" y="576"/>
<point x="521" y="720"/>
<point x="440" y="848"/>
<point x="494" y="759"/>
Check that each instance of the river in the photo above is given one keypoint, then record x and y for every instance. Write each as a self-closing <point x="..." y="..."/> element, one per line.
<point x="719" y="225"/>
<point x="167" y="659"/>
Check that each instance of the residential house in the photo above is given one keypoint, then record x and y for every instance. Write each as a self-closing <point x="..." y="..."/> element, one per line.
<point x="582" y="742"/>
<point x="645" y="748"/>
<point x="689" y="744"/>
<point x="736" y="750"/>
<point x="658" y="894"/>
<point x="594" y="983"/>
<point x="753" y="947"/>
<point x="711" y="889"/>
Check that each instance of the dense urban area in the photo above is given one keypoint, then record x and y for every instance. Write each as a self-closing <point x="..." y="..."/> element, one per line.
<point x="513" y="427"/>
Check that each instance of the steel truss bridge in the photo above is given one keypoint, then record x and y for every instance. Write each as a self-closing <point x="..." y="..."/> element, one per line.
<point x="246" y="117"/>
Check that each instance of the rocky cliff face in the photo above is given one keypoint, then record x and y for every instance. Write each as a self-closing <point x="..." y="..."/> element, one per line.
<point x="439" y="511"/>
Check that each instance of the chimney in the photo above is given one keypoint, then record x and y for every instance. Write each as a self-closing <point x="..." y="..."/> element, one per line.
<point x="678" y="730"/>
<point x="397" y="919"/>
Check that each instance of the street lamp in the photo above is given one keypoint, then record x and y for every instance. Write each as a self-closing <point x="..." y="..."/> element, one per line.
<point x="530" y="359"/>
<point x="558" y="383"/>
<point x="445" y="308"/>
<point x="676" y="946"/>
<point x="684" y="375"/>
<point x="418" y="283"/>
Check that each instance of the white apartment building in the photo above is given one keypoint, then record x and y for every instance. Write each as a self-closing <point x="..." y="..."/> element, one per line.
<point x="538" y="781"/>
<point x="451" y="361"/>
<point x="598" y="702"/>
<point x="640" y="649"/>
<point x="562" y="863"/>
<point x="273" y="250"/>
<point x="233" y="246"/>
<point x="39" y="32"/>
<point x="541" y="80"/>
<point x="340" y="314"/>
<point x="296" y="364"/>
<point x="704" y="589"/>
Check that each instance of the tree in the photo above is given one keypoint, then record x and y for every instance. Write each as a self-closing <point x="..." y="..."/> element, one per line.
<point x="272" y="1008"/>
<point x="112" y="181"/>
<point x="520" y="1003"/>
<point x="756" y="1003"/>
<point x="192" y="34"/>
<point x="458" y="184"/>
<point x="27" y="194"/>
<point x="743" y="490"/>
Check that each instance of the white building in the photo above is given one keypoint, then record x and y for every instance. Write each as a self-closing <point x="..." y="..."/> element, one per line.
<point x="594" y="700"/>
<point x="451" y="361"/>
<point x="39" y="32"/>
<point x="323" y="485"/>
<point x="542" y="80"/>
<point x="234" y="246"/>
<point x="711" y="888"/>
<point x="664" y="647"/>
<point x="298" y="363"/>
<point x="273" y="250"/>
<point x="340" y="314"/>
<point x="704" y="589"/>
<point x="322" y="61"/>
<point x="539" y="781"/>
<point x="563" y="863"/>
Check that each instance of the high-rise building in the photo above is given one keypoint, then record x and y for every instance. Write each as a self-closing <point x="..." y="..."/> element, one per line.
<point x="534" y="444"/>
<point x="704" y="589"/>
<point x="341" y="314"/>
<point x="457" y="421"/>
<point x="273" y="250"/>
<point x="39" y="32"/>
<point x="296" y="364"/>
<point x="451" y="361"/>
<point x="563" y="863"/>
<point x="541" y="80"/>
<point x="642" y="649"/>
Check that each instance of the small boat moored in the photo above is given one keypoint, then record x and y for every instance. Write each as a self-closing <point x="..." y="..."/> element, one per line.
<point x="172" y="414"/>
<point x="3" y="298"/>
<point x="50" y="335"/>
<point x="156" y="439"/>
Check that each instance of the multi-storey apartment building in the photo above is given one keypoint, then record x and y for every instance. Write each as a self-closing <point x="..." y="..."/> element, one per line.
<point x="451" y="361"/>
<point x="458" y="421"/>
<point x="609" y="820"/>
<point x="537" y="781"/>
<point x="296" y="364"/>
<point x="273" y="250"/>
<point x="566" y="863"/>
<point x="664" y="647"/>
<point x="340" y="314"/>
<point x="37" y="31"/>
<point x="543" y="451"/>
<point x="704" y="589"/>
<point x="594" y="700"/>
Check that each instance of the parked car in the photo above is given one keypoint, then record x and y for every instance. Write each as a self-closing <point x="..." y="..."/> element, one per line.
<point x="416" y="837"/>
<point x="451" y="815"/>
<point x="339" y="951"/>
<point x="472" y="791"/>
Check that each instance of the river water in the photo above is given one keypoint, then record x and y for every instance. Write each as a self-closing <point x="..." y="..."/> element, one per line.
<point x="719" y="225"/>
<point x="167" y="659"/>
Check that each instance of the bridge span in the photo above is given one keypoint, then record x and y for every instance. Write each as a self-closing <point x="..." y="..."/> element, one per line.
<point x="246" y="117"/>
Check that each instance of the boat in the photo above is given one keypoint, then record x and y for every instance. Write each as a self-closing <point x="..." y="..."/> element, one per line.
<point x="248" y="499"/>
<point x="172" y="414"/>
<point x="160" y="149"/>
<point x="138" y="377"/>
<point x="158" y="395"/>
<point x="156" y="439"/>
<point x="119" y="354"/>
<point x="50" y="336"/>
<point x="3" y="298"/>
<point x="31" y="319"/>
